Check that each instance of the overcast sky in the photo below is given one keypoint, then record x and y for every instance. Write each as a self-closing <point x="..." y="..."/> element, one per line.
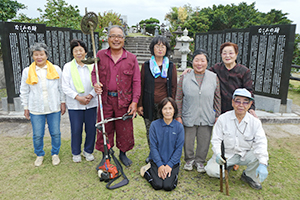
<point x="137" y="10"/>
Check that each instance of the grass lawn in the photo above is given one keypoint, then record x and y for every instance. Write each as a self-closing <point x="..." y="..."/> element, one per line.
<point x="19" y="178"/>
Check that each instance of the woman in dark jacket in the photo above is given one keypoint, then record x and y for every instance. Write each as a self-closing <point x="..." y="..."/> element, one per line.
<point x="158" y="80"/>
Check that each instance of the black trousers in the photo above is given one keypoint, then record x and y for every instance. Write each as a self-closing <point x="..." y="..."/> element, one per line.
<point x="170" y="183"/>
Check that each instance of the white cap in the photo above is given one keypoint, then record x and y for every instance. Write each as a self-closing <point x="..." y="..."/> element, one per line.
<point x="243" y="92"/>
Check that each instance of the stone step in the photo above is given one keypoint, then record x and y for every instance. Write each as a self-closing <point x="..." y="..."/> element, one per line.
<point x="139" y="46"/>
<point x="149" y="39"/>
<point x="132" y="45"/>
<point x="139" y="51"/>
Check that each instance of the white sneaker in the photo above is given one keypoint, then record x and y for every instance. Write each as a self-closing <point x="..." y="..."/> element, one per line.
<point x="77" y="158"/>
<point x="88" y="156"/>
<point x="39" y="161"/>
<point x="55" y="160"/>
<point x="189" y="165"/>
<point x="144" y="169"/>
<point x="200" y="167"/>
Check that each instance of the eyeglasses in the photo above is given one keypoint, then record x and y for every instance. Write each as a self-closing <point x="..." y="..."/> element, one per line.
<point x="160" y="46"/>
<point x="230" y="53"/>
<point x="244" y="103"/>
<point x="116" y="36"/>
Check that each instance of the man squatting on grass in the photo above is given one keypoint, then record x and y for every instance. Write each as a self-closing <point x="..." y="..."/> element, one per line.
<point x="244" y="140"/>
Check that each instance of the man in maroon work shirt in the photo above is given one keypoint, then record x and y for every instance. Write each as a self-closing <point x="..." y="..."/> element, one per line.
<point x="120" y="88"/>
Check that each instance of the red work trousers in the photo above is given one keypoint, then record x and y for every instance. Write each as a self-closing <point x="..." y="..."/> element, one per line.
<point x="123" y="129"/>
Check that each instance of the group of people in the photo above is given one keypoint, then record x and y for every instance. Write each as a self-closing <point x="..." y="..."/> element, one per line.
<point x="209" y="105"/>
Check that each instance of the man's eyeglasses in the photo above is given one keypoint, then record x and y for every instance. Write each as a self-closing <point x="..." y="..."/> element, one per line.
<point x="244" y="103"/>
<point x="116" y="36"/>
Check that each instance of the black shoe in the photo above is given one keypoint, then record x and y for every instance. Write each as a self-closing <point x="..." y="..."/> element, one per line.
<point x="124" y="159"/>
<point x="147" y="160"/>
<point x="250" y="181"/>
<point x="229" y="168"/>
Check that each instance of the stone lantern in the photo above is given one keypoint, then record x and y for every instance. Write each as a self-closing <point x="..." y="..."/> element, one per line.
<point x="184" y="50"/>
<point x="156" y="31"/>
<point x="177" y="53"/>
<point x="162" y="29"/>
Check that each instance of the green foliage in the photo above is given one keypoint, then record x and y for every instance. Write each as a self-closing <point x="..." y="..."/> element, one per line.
<point x="220" y="17"/>
<point x="8" y="9"/>
<point x="149" y="21"/>
<point x="230" y="16"/>
<point x="24" y="19"/>
<point x="150" y="24"/>
<point x="103" y="22"/>
<point x="296" y="53"/>
<point x="58" y="13"/>
<point x="197" y="23"/>
<point x="275" y="17"/>
<point x="107" y="17"/>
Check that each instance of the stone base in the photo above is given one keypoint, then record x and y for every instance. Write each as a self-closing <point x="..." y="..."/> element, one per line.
<point x="270" y="104"/>
<point x="16" y="106"/>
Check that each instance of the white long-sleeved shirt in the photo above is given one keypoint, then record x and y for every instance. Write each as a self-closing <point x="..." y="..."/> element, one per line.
<point x="45" y="96"/>
<point x="239" y="138"/>
<point x="70" y="90"/>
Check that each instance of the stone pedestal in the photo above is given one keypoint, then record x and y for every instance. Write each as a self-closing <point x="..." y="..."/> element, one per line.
<point x="270" y="104"/>
<point x="16" y="106"/>
<point x="104" y="45"/>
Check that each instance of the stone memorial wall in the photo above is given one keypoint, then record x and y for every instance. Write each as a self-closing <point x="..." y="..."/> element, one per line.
<point x="266" y="50"/>
<point x="16" y="38"/>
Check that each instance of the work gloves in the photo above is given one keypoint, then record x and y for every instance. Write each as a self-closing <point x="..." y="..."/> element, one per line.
<point x="262" y="172"/>
<point x="220" y="160"/>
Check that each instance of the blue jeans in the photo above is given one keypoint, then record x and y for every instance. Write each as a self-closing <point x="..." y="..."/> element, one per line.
<point x="38" y="128"/>
<point x="77" y="118"/>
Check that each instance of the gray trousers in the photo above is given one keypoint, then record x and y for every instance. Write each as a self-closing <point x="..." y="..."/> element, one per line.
<point x="203" y="136"/>
<point x="213" y="168"/>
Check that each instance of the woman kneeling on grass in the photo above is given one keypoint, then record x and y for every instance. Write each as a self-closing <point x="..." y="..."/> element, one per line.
<point x="166" y="142"/>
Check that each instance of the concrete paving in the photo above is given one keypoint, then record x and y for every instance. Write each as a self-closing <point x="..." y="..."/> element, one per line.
<point x="277" y="125"/>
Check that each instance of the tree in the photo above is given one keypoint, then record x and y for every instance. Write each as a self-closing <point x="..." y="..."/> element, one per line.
<point x="178" y="16"/>
<point x="220" y="17"/>
<point x="103" y="23"/>
<point x="58" y="13"/>
<point x="25" y="19"/>
<point x="150" y="24"/>
<point x="232" y="16"/>
<point x="296" y="53"/>
<point x="8" y="9"/>
<point x="275" y="17"/>
<point x="108" y="17"/>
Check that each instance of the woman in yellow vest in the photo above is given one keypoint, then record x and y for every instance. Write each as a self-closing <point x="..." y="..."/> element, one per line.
<point x="43" y="100"/>
<point x="81" y="102"/>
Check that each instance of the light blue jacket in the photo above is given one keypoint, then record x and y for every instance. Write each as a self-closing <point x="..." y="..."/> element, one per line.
<point x="31" y="95"/>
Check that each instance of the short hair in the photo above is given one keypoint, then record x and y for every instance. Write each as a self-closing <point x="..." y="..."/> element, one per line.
<point x="38" y="47"/>
<point x="160" y="39"/>
<point x="226" y="44"/>
<point x="163" y="103"/>
<point x="200" y="52"/>
<point x="75" y="43"/>
<point x="116" y="26"/>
